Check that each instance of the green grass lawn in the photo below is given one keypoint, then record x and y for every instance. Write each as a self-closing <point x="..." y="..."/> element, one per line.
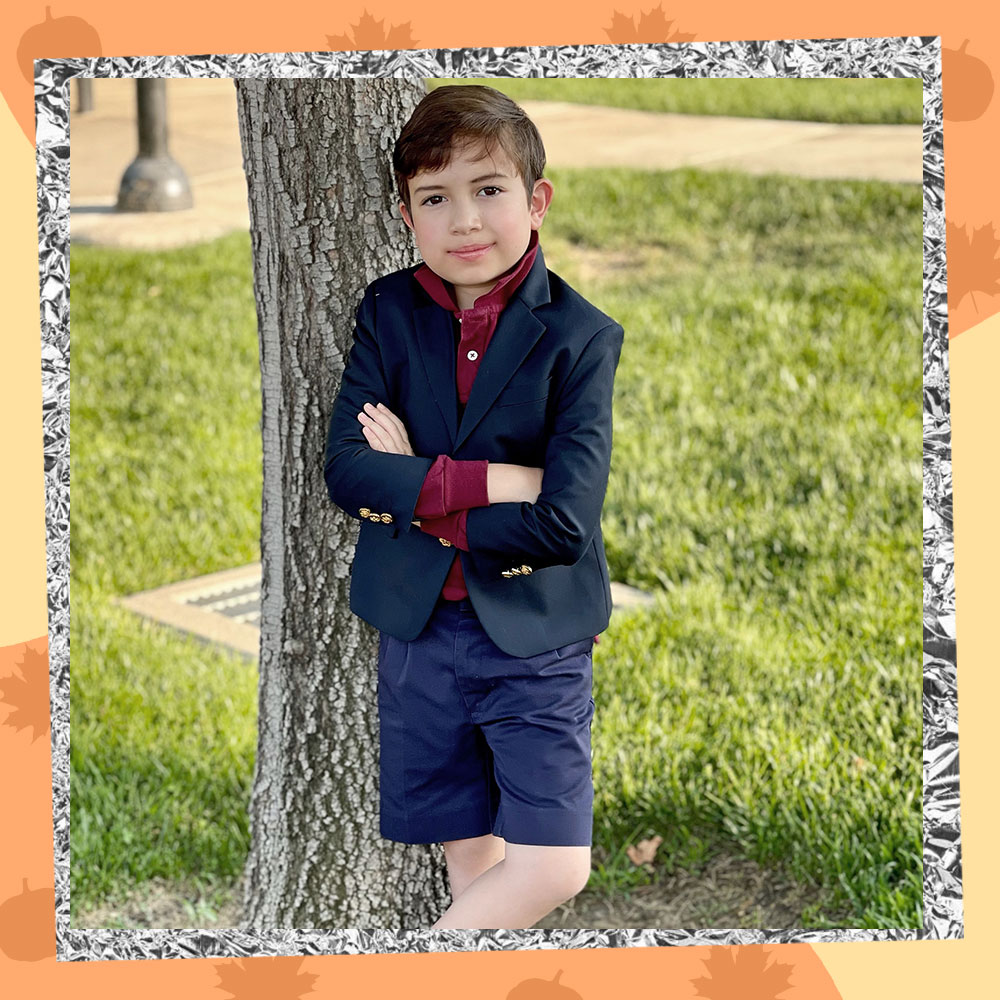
<point x="765" y="487"/>
<point x="847" y="101"/>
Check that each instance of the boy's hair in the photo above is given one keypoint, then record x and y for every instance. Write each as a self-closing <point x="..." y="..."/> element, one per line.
<point x="459" y="115"/>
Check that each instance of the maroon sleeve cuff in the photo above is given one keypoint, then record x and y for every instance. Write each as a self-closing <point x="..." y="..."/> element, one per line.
<point x="451" y="528"/>
<point x="452" y="485"/>
<point x="465" y="484"/>
<point x="430" y="502"/>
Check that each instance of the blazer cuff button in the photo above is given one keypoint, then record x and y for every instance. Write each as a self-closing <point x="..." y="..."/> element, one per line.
<point x="445" y="542"/>
<point x="507" y="573"/>
<point x="386" y="518"/>
<point x="364" y="512"/>
<point x="374" y="517"/>
<point x="526" y="570"/>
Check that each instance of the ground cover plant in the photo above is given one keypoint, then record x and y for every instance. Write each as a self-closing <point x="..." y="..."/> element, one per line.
<point x="765" y="488"/>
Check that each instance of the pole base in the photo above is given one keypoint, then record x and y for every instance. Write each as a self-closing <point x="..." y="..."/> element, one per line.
<point x="154" y="184"/>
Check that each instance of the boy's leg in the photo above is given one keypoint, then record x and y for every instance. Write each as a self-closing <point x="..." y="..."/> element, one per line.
<point x="518" y="891"/>
<point x="468" y="859"/>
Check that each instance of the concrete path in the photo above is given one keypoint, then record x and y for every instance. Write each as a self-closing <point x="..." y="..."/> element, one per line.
<point x="204" y="139"/>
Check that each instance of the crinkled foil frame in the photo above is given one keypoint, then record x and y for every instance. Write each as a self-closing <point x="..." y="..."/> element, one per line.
<point x="850" y="57"/>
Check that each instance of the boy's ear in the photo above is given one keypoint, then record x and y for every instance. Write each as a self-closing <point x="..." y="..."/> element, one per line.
<point x="405" y="214"/>
<point x="541" y="199"/>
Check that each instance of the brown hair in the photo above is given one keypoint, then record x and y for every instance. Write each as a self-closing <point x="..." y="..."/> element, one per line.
<point x="460" y="115"/>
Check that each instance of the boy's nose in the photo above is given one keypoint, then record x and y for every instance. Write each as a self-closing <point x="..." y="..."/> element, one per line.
<point x="465" y="218"/>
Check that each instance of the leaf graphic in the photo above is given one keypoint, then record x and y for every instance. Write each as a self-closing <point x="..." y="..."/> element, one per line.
<point x="973" y="265"/>
<point x="265" y="978"/>
<point x="653" y="26"/>
<point x="369" y="34"/>
<point x="27" y="690"/>
<point x="742" y="972"/>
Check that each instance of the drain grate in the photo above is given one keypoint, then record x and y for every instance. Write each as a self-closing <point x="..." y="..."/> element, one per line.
<point x="220" y="607"/>
<point x="225" y="607"/>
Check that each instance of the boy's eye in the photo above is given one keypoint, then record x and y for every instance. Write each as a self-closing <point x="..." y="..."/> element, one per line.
<point x="428" y="199"/>
<point x="491" y="187"/>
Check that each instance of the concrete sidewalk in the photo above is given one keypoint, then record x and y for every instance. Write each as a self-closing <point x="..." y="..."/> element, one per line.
<point x="204" y="139"/>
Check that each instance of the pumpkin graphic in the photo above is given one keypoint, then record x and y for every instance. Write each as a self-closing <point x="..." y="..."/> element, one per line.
<point x="967" y="85"/>
<point x="543" y="989"/>
<point x="28" y="925"/>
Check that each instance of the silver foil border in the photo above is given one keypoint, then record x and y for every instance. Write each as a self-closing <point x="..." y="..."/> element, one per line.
<point x="911" y="56"/>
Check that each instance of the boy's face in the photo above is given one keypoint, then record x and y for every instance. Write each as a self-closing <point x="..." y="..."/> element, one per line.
<point x="472" y="219"/>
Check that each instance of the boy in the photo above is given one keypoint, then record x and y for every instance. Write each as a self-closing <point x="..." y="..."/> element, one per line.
<point x="472" y="437"/>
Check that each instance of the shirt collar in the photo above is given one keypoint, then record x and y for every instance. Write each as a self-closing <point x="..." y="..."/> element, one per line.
<point x="492" y="301"/>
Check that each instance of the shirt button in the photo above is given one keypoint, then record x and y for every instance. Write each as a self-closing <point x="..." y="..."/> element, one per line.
<point x="472" y="355"/>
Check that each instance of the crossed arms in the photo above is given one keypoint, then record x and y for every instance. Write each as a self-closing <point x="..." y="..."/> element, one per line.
<point x="505" y="483"/>
<point x="370" y="464"/>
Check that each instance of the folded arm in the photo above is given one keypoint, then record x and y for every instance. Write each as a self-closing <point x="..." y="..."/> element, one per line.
<point x="359" y="477"/>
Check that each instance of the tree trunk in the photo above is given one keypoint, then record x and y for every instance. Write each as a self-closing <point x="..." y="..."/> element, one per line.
<point x="317" y="156"/>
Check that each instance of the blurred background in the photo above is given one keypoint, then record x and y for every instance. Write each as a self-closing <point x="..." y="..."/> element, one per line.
<point x="757" y="739"/>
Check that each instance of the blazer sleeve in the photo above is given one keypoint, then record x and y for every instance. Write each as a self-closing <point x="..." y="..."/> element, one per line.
<point x="359" y="478"/>
<point x="559" y="526"/>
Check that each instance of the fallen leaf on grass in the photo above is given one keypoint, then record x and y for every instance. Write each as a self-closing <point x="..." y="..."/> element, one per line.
<point x="642" y="854"/>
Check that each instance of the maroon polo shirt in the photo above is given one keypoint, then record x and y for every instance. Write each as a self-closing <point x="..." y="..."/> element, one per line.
<point x="452" y="486"/>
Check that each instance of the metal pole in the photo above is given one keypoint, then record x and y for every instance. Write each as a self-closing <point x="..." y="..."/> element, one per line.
<point x="84" y="94"/>
<point x="154" y="181"/>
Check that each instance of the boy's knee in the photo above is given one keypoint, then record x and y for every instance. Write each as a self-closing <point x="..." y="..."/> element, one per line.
<point x="557" y="872"/>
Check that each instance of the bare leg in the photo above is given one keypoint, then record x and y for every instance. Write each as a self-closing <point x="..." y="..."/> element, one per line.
<point x="468" y="859"/>
<point x="518" y="891"/>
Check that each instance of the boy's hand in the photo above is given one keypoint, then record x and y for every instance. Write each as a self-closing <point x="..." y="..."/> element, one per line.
<point x="384" y="431"/>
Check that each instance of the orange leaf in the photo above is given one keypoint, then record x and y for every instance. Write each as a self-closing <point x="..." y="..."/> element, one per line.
<point x="265" y="978"/>
<point x="742" y="972"/>
<point x="27" y="691"/>
<point x="622" y="29"/>
<point x="653" y="26"/>
<point x="369" y="34"/>
<point x="400" y="37"/>
<point x="973" y="265"/>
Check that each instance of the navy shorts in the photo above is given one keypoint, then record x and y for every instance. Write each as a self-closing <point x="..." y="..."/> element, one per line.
<point x="475" y="741"/>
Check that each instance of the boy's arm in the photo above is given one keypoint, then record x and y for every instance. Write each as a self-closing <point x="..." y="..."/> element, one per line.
<point x="503" y="483"/>
<point x="557" y="528"/>
<point x="358" y="477"/>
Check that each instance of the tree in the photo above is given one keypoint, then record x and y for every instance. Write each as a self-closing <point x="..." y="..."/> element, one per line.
<point x="317" y="157"/>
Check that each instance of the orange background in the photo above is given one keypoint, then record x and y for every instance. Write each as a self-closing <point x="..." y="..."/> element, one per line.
<point x="972" y="202"/>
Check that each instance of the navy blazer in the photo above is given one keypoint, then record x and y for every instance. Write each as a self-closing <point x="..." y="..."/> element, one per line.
<point x="536" y="573"/>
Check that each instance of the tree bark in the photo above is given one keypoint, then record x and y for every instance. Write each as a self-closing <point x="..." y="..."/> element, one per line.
<point x="317" y="156"/>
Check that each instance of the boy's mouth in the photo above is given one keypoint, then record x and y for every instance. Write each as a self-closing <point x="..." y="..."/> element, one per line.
<point x="473" y="252"/>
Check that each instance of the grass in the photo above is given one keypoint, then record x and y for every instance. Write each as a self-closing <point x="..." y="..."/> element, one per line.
<point x="165" y="481"/>
<point x="845" y="101"/>
<point x="765" y="487"/>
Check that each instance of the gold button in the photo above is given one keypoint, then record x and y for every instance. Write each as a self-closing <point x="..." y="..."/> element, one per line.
<point x="526" y="570"/>
<point x="507" y="573"/>
<point x="515" y="571"/>
<point x="373" y="517"/>
<point x="444" y="542"/>
<point x="387" y="518"/>
<point x="364" y="512"/>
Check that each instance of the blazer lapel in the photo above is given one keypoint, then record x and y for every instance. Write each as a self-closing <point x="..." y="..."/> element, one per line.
<point x="518" y="330"/>
<point x="436" y="339"/>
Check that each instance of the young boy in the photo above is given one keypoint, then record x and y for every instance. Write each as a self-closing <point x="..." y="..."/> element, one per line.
<point x="472" y="438"/>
